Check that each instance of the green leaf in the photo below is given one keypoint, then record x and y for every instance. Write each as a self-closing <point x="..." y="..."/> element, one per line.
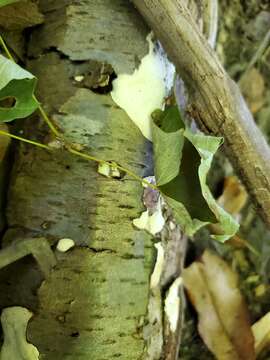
<point x="17" y="83"/>
<point x="7" y="2"/>
<point x="168" y="142"/>
<point x="207" y="147"/>
<point x="182" y="161"/>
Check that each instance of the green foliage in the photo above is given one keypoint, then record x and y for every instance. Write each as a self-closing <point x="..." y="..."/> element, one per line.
<point x="7" y="2"/>
<point x="168" y="142"/>
<point x="17" y="83"/>
<point x="182" y="161"/>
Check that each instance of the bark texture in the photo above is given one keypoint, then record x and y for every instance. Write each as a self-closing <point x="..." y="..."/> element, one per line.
<point x="217" y="104"/>
<point x="93" y="305"/>
<point x="4" y="146"/>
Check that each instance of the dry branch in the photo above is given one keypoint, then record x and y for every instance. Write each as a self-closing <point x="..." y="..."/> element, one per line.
<point x="217" y="104"/>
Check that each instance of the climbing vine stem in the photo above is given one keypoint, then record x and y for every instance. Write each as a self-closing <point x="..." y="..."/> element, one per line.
<point x="59" y="136"/>
<point x="100" y="161"/>
<point x="25" y="140"/>
<point x="5" y="48"/>
<point x="47" y="120"/>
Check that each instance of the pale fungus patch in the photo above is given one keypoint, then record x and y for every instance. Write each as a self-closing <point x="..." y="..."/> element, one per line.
<point x="79" y="78"/>
<point x="153" y="223"/>
<point x="104" y="169"/>
<point x="172" y="303"/>
<point x="156" y="275"/>
<point x="110" y="171"/>
<point x="64" y="245"/>
<point x="144" y="91"/>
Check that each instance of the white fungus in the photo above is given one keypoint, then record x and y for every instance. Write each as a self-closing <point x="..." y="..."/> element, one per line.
<point x="79" y="78"/>
<point x="64" y="245"/>
<point x="144" y="91"/>
<point x="156" y="275"/>
<point x="172" y="303"/>
<point x="152" y="223"/>
<point x="110" y="171"/>
<point x="104" y="169"/>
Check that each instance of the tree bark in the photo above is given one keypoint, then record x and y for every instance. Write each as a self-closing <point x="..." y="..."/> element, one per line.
<point x="4" y="146"/>
<point x="94" y="304"/>
<point x="217" y="104"/>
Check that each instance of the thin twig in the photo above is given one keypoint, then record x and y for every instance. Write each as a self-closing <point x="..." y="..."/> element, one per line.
<point x="4" y="133"/>
<point x="82" y="155"/>
<point x="47" y="120"/>
<point x="263" y="46"/>
<point x="3" y="44"/>
<point x="119" y="167"/>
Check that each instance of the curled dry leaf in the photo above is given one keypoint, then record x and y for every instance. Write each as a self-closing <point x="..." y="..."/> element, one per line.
<point x="234" y="196"/>
<point x="223" y="316"/>
<point x="233" y="200"/>
<point x="253" y="87"/>
<point x="261" y="332"/>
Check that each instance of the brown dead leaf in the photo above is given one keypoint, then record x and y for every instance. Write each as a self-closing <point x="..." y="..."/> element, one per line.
<point x="21" y="15"/>
<point x="223" y="316"/>
<point x="234" y="196"/>
<point x="252" y="86"/>
<point x="261" y="332"/>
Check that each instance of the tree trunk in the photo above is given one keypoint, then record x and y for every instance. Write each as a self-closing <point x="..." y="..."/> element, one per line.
<point x="94" y="303"/>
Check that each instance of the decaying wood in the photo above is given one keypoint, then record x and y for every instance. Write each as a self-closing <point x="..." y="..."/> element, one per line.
<point x="217" y="104"/>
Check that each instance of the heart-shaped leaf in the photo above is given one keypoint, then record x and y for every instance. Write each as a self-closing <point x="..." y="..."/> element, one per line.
<point x="19" y="84"/>
<point x="182" y="161"/>
<point x="168" y="140"/>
